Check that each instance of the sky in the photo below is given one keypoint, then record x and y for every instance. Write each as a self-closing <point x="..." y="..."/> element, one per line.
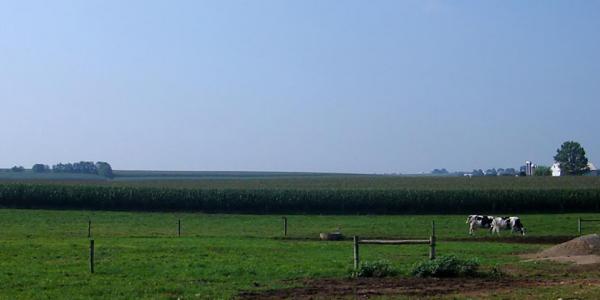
<point x="312" y="85"/>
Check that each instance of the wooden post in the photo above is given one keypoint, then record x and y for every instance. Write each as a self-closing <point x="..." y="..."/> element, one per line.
<point x="579" y="226"/>
<point x="89" y="229"/>
<point x="356" y="258"/>
<point x="92" y="256"/>
<point x="285" y="225"/>
<point x="179" y="227"/>
<point x="432" y="241"/>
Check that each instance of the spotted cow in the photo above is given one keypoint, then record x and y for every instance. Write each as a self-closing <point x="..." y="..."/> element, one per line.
<point x="479" y="221"/>
<point x="508" y="223"/>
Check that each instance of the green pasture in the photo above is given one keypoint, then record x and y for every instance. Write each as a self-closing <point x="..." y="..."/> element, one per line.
<point x="44" y="254"/>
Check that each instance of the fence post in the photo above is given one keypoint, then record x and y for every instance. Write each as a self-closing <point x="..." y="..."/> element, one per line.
<point x="92" y="256"/>
<point x="285" y="225"/>
<point x="356" y="258"/>
<point x="179" y="227"/>
<point x="579" y="226"/>
<point x="432" y="241"/>
<point x="89" y="229"/>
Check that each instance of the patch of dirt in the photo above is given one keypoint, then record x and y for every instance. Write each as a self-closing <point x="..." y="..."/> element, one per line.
<point x="516" y="239"/>
<point x="417" y="287"/>
<point x="581" y="251"/>
<point x="576" y="259"/>
<point x="594" y="269"/>
<point x="498" y="239"/>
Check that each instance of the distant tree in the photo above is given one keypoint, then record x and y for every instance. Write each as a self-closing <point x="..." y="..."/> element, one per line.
<point x="62" y="168"/>
<point x="40" y="168"/>
<point x="507" y="172"/>
<point x="572" y="160"/>
<point x="17" y="169"/>
<point x="491" y="172"/>
<point x="104" y="169"/>
<point x="439" y="171"/>
<point x="478" y="172"/>
<point x="86" y="167"/>
<point x="542" y="171"/>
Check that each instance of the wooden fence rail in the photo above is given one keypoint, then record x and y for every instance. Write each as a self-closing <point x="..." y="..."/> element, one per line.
<point x="580" y="222"/>
<point x="431" y="242"/>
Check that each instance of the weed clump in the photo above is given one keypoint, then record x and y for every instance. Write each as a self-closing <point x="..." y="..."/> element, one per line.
<point x="380" y="268"/>
<point x="446" y="266"/>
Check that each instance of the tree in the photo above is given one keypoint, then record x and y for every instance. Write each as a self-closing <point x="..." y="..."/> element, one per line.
<point x="572" y="160"/>
<point x="478" y="173"/>
<point x="542" y="171"/>
<point x="40" y="168"/>
<point x="439" y="171"/>
<point x="507" y="172"/>
<point x="63" y="168"/>
<point x="491" y="172"/>
<point x="17" y="169"/>
<point x="104" y="169"/>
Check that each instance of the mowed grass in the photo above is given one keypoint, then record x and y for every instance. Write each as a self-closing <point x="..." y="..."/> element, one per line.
<point x="44" y="254"/>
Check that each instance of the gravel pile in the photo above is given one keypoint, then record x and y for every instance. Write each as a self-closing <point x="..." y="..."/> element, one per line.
<point x="583" y="245"/>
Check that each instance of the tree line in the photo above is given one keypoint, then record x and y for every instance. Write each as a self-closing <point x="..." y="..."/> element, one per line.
<point x="83" y="167"/>
<point x="571" y="158"/>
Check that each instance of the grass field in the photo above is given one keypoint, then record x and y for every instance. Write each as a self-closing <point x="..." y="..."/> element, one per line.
<point x="43" y="254"/>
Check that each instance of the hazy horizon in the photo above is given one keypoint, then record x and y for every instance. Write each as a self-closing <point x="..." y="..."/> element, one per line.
<point x="308" y="86"/>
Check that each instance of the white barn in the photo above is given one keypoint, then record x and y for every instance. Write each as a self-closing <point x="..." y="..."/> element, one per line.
<point x="557" y="172"/>
<point x="555" y="169"/>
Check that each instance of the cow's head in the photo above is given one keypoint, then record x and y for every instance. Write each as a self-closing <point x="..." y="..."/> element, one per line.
<point x="469" y="218"/>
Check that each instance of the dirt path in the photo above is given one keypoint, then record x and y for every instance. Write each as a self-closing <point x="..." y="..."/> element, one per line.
<point x="417" y="287"/>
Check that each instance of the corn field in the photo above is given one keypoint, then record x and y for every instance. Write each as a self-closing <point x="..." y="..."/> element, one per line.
<point x="146" y="197"/>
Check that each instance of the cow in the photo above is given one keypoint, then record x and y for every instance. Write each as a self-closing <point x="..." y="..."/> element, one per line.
<point x="506" y="223"/>
<point x="479" y="221"/>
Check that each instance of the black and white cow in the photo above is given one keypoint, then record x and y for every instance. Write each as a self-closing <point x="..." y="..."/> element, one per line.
<point x="479" y="221"/>
<point x="506" y="223"/>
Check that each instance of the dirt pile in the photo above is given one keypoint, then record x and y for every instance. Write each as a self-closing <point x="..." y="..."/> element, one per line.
<point x="582" y="250"/>
<point x="583" y="245"/>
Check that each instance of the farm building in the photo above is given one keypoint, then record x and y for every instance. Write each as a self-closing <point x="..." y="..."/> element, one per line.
<point x="556" y="171"/>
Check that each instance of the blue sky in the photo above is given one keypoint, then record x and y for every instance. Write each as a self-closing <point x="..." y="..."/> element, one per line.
<point x="339" y="86"/>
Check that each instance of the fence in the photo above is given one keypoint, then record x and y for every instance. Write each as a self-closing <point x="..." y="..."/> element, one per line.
<point x="580" y="222"/>
<point x="431" y="242"/>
